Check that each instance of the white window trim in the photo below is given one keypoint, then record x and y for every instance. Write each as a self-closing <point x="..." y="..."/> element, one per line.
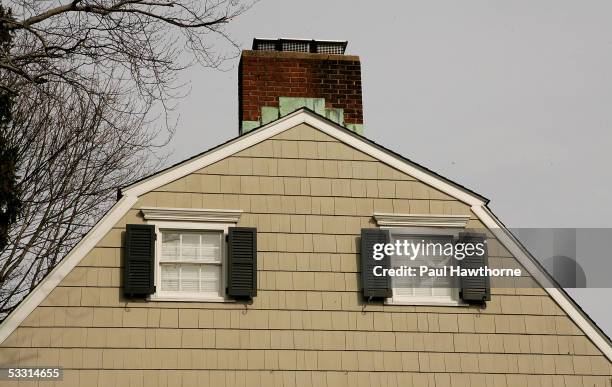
<point x="188" y="219"/>
<point x="425" y="301"/>
<point x="191" y="215"/>
<point x="417" y="220"/>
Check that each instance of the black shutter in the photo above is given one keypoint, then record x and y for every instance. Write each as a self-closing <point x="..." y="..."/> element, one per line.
<point x="242" y="262"/>
<point x="139" y="265"/>
<point x="477" y="288"/>
<point x="373" y="286"/>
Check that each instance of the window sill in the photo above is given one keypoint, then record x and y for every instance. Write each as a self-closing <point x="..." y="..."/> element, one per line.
<point x="407" y="302"/>
<point x="177" y="298"/>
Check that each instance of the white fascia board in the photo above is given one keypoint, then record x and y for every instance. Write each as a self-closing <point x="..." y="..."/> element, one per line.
<point x="505" y="237"/>
<point x="291" y="120"/>
<point x="73" y="258"/>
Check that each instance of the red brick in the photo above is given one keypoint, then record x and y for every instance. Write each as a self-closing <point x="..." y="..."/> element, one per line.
<point x="265" y="76"/>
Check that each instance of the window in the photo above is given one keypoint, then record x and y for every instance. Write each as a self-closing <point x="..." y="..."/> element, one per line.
<point x="423" y="289"/>
<point x="191" y="262"/>
<point x="191" y="252"/>
<point x="431" y="228"/>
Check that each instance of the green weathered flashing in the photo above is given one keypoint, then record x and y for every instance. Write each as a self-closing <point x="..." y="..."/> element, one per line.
<point x="247" y="126"/>
<point x="336" y="115"/>
<point x="290" y="104"/>
<point x="269" y="114"/>
<point x="357" y="128"/>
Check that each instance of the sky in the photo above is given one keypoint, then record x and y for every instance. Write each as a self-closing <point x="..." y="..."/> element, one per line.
<point x="512" y="99"/>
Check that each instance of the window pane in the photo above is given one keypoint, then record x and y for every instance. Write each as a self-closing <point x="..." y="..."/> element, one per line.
<point x="185" y="278"/>
<point x="169" y="278"/>
<point x="423" y="286"/>
<point x="170" y="245"/>
<point x="202" y="246"/>
<point x="190" y="245"/>
<point x="190" y="278"/>
<point x="422" y="292"/>
<point x="210" y="276"/>
<point x="211" y="247"/>
<point x="442" y="292"/>
<point x="403" y="291"/>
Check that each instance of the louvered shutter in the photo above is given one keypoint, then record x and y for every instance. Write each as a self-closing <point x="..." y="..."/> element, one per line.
<point x="476" y="288"/>
<point x="139" y="265"/>
<point x="371" y="285"/>
<point x="242" y="262"/>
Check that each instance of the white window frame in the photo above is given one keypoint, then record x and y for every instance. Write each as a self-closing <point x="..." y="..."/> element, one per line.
<point x="424" y="225"/>
<point x="180" y="219"/>
<point x="424" y="232"/>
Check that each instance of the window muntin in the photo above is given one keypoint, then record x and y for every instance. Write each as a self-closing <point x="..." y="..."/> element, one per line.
<point x="423" y="289"/>
<point x="191" y="263"/>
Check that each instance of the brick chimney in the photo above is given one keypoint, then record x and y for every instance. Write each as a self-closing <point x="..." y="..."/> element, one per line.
<point x="280" y="76"/>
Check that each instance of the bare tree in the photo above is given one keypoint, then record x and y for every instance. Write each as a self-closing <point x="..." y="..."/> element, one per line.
<point x="10" y="204"/>
<point x="83" y="77"/>
<point x="74" y="152"/>
<point x="69" y="42"/>
<point x="9" y="195"/>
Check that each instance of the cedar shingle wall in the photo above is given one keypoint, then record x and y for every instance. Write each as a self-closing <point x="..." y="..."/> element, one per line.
<point x="309" y="196"/>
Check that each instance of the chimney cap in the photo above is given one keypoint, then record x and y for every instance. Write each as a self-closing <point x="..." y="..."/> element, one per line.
<point x="336" y="47"/>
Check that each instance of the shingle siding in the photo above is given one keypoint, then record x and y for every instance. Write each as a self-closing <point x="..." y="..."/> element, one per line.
<point x="309" y="197"/>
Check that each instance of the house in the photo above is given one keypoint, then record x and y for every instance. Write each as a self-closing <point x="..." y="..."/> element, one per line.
<point x="247" y="265"/>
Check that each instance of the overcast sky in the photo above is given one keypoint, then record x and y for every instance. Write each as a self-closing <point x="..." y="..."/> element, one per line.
<point x="512" y="99"/>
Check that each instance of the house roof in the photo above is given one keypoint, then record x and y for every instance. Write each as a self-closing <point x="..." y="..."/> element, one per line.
<point x="129" y="195"/>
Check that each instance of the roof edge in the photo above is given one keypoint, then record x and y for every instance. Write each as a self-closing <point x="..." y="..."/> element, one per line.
<point x="131" y="193"/>
<point x="307" y="116"/>
<point x="65" y="266"/>
<point x="533" y="267"/>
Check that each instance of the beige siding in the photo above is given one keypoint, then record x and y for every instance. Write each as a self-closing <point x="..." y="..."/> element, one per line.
<point x="309" y="196"/>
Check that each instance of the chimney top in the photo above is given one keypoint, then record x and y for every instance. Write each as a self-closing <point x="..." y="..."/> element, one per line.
<point x="279" y="76"/>
<point x="336" y="47"/>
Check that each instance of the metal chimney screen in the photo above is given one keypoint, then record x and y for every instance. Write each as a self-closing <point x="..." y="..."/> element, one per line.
<point x="266" y="46"/>
<point x="327" y="48"/>
<point x="296" y="45"/>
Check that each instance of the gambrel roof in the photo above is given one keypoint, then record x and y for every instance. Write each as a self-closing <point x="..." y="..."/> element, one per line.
<point x="478" y="204"/>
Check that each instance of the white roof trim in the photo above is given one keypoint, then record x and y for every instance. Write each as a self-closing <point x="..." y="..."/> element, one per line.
<point x="89" y="241"/>
<point x="301" y="116"/>
<point x="191" y="214"/>
<point x="131" y="194"/>
<point x="506" y="238"/>
<point x="414" y="220"/>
